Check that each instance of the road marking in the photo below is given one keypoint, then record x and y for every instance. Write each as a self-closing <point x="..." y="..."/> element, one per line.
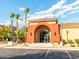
<point x="47" y="53"/>
<point x="68" y="54"/>
<point x="27" y="52"/>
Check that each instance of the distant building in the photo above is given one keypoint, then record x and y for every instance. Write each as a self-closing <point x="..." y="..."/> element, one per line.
<point x="4" y="26"/>
<point x="69" y="31"/>
<point x="1" y="27"/>
<point x="48" y="30"/>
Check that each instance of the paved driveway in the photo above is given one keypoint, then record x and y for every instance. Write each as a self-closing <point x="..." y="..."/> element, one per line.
<point x="6" y="53"/>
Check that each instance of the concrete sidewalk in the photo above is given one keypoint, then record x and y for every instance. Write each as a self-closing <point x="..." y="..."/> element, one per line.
<point x="42" y="48"/>
<point x="4" y="45"/>
<point x="22" y="46"/>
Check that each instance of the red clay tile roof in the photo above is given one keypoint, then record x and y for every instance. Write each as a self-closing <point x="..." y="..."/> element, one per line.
<point x="43" y="20"/>
<point x="69" y="25"/>
<point x="63" y="25"/>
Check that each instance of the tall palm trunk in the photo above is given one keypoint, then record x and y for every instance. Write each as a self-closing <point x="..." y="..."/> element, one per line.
<point x="17" y="18"/>
<point x="11" y="25"/>
<point x="26" y="10"/>
<point x="17" y="31"/>
<point x="25" y="28"/>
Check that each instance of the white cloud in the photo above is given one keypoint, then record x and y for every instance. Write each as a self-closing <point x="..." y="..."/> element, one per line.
<point x="63" y="11"/>
<point x="56" y="6"/>
<point x="70" y="7"/>
<point x="21" y="9"/>
<point x="47" y="13"/>
<point x="61" y="6"/>
<point x="73" y="12"/>
<point x="53" y="8"/>
<point x="41" y="16"/>
<point x="75" y="3"/>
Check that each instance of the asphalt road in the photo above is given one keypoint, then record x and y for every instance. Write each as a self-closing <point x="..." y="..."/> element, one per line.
<point x="6" y="53"/>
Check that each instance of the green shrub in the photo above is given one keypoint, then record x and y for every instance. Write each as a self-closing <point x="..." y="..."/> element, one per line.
<point x="78" y="45"/>
<point x="70" y="42"/>
<point x="77" y="41"/>
<point x="64" y="42"/>
<point x="72" y="45"/>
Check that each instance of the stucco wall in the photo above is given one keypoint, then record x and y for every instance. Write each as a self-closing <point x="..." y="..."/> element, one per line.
<point x="35" y="26"/>
<point x="73" y="33"/>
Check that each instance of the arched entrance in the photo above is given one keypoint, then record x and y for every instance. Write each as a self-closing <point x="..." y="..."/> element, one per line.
<point x="43" y="30"/>
<point x="42" y="34"/>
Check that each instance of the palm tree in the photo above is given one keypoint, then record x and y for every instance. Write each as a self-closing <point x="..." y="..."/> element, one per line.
<point x="11" y="15"/>
<point x="26" y="10"/>
<point x="17" y="17"/>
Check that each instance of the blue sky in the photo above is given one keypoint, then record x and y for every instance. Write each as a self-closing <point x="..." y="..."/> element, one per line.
<point x="64" y="10"/>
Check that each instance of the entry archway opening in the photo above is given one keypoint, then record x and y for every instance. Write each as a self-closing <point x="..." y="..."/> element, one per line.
<point x="42" y="34"/>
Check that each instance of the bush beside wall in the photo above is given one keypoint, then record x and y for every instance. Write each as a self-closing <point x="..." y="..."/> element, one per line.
<point x="70" y="42"/>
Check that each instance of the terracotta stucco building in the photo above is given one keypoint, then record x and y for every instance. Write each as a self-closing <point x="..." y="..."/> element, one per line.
<point x="48" y="30"/>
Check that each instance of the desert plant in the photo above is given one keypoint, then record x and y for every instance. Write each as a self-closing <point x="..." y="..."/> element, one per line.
<point x="77" y="41"/>
<point x="70" y="42"/>
<point x="64" y="42"/>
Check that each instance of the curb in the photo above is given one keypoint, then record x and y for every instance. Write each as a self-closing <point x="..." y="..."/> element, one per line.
<point x="41" y="48"/>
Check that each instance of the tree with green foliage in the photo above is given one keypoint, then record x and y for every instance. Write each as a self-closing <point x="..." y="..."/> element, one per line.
<point x="6" y="33"/>
<point x="21" y="35"/>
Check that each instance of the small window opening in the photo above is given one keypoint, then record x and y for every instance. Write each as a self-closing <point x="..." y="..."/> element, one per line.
<point x="30" y="34"/>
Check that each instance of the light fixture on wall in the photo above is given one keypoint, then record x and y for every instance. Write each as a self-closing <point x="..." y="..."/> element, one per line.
<point x="67" y="32"/>
<point x="55" y="33"/>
